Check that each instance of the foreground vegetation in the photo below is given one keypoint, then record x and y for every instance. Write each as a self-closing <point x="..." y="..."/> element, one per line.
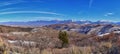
<point x="50" y="41"/>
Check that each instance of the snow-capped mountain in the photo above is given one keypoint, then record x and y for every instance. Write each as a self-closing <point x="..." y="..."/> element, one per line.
<point x="44" y="22"/>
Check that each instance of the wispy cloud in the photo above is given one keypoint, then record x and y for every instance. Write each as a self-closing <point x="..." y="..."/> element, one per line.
<point x="109" y="14"/>
<point x="90" y="3"/>
<point x="11" y="2"/>
<point x="38" y="12"/>
<point x="6" y="3"/>
<point x="9" y="9"/>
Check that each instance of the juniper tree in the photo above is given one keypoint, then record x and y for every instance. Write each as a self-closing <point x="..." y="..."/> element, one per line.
<point x="63" y="36"/>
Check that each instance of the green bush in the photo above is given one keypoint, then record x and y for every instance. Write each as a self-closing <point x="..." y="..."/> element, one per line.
<point x="63" y="36"/>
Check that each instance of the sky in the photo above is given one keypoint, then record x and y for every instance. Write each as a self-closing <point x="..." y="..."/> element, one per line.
<point x="31" y="10"/>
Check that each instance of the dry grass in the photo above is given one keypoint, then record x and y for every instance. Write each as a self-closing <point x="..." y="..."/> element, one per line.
<point x="106" y="44"/>
<point x="47" y="42"/>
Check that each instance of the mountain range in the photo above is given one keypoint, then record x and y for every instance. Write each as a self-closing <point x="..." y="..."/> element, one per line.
<point x="45" y="22"/>
<point x="89" y="29"/>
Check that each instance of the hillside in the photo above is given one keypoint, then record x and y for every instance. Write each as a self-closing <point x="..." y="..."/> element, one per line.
<point x="6" y="29"/>
<point x="96" y="29"/>
<point x="45" y="40"/>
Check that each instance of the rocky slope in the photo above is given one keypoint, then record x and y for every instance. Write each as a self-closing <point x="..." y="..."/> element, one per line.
<point x="96" y="29"/>
<point x="5" y="29"/>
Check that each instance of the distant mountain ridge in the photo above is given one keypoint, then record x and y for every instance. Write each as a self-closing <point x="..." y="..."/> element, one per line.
<point x="34" y="23"/>
<point x="96" y="29"/>
<point x="44" y="22"/>
<point x="84" y="27"/>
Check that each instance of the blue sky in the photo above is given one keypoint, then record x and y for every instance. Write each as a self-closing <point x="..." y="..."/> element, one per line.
<point x="30" y="10"/>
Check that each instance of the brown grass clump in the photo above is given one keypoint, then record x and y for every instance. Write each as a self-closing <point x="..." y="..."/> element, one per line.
<point x="81" y="50"/>
<point x="106" y="44"/>
<point x="3" y="46"/>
